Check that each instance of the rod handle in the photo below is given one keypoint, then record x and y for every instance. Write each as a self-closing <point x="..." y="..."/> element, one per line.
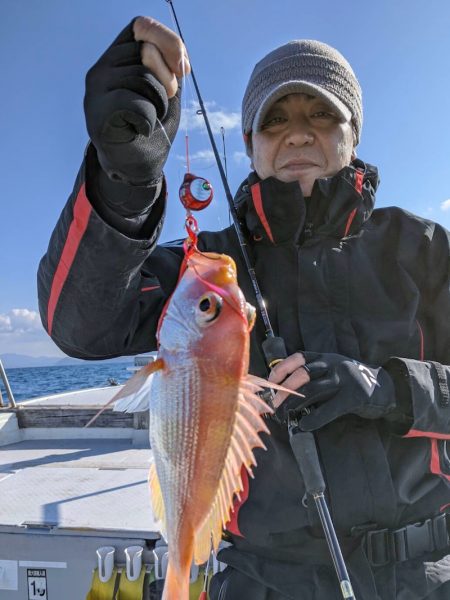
<point x="304" y="447"/>
<point x="274" y="350"/>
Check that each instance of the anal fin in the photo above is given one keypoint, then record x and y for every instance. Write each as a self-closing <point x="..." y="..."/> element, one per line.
<point x="157" y="498"/>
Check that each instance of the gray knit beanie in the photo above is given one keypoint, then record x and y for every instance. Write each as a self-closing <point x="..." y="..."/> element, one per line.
<point x="304" y="66"/>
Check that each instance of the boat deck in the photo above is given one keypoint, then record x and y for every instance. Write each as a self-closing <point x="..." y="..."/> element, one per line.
<point x="97" y="485"/>
<point x="56" y="474"/>
<point x="70" y="493"/>
<point x="67" y="491"/>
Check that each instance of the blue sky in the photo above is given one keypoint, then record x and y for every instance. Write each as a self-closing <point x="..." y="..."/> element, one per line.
<point x="399" y="50"/>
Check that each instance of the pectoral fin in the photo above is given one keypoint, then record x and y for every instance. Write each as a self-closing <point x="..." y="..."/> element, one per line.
<point x="132" y="387"/>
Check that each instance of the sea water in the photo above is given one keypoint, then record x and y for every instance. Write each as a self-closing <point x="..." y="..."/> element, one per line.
<point x="33" y="382"/>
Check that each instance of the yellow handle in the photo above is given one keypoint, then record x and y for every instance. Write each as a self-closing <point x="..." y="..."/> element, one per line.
<point x="100" y="590"/>
<point x="131" y="590"/>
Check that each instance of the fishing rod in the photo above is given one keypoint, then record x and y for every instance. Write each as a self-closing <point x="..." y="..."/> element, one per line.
<point x="222" y="131"/>
<point x="303" y="443"/>
<point x="229" y="196"/>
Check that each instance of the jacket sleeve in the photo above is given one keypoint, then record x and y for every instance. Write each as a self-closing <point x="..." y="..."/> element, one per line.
<point x="104" y="281"/>
<point x="426" y="382"/>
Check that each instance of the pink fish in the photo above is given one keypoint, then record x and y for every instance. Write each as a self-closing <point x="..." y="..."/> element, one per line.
<point x="205" y="415"/>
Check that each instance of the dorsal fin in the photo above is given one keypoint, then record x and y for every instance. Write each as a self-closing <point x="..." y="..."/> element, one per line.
<point x="245" y="437"/>
<point x="247" y="424"/>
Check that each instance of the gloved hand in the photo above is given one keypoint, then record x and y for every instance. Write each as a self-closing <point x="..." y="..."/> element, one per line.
<point x="129" y="116"/>
<point x="340" y="386"/>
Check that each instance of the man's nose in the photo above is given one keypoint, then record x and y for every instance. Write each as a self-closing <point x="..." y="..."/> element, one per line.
<point x="299" y="133"/>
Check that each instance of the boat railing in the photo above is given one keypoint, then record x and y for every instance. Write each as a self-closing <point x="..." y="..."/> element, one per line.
<point x="11" y="401"/>
<point x="141" y="361"/>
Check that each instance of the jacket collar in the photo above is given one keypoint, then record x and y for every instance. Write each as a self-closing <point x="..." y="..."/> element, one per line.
<point x="276" y="212"/>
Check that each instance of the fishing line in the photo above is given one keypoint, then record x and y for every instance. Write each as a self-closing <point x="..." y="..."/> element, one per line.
<point x="197" y="112"/>
<point x="186" y="134"/>
<point x="222" y="131"/>
<point x="164" y="131"/>
<point x="237" y="226"/>
<point x="184" y="104"/>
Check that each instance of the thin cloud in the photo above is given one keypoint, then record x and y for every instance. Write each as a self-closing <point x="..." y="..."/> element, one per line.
<point x="200" y="156"/>
<point x="20" y="320"/>
<point x="21" y="332"/>
<point x="445" y="205"/>
<point x="241" y="158"/>
<point x="217" y="117"/>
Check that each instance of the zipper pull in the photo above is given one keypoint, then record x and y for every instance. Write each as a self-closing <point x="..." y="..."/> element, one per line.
<point x="308" y="229"/>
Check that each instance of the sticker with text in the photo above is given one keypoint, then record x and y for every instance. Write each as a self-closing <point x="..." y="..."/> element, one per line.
<point x="37" y="584"/>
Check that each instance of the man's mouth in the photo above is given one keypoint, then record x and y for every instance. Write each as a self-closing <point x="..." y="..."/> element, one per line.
<point x="298" y="165"/>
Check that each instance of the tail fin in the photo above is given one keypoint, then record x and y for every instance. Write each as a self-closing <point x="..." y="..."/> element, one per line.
<point x="176" y="587"/>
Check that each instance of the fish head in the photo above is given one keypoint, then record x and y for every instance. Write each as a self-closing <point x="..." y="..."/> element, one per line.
<point x="207" y="308"/>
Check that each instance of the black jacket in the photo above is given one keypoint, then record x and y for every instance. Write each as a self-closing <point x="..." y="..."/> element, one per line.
<point x="337" y="276"/>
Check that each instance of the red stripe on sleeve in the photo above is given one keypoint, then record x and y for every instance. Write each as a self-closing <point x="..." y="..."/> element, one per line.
<point x="429" y="434"/>
<point x="149" y="289"/>
<point x="435" y="465"/>
<point x="257" y="201"/>
<point x="81" y="213"/>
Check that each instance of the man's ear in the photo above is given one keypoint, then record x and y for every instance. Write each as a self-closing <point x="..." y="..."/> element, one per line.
<point x="354" y="155"/>
<point x="250" y="155"/>
<point x="248" y="145"/>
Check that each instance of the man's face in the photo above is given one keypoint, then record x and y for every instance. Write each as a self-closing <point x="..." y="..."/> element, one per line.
<point x="301" y="139"/>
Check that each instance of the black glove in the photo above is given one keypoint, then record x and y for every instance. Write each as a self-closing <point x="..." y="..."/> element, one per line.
<point x="129" y="118"/>
<point x="340" y="386"/>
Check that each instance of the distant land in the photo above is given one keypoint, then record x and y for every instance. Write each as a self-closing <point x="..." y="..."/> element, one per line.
<point x="21" y="361"/>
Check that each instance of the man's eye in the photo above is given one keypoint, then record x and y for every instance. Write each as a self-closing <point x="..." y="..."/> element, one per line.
<point x="271" y="121"/>
<point x="322" y="114"/>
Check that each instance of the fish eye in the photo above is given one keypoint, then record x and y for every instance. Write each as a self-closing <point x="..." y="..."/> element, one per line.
<point x="208" y="308"/>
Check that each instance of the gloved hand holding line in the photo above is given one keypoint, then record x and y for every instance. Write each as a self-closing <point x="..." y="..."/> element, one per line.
<point x="132" y="101"/>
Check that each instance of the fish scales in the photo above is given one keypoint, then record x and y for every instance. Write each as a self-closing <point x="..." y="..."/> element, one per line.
<point x="205" y="416"/>
<point x="193" y="411"/>
<point x="174" y="434"/>
<point x="195" y="438"/>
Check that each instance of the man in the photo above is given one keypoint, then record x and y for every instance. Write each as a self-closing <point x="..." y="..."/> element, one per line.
<point x="360" y="297"/>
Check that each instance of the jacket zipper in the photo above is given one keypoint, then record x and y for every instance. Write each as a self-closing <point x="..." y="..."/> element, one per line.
<point x="308" y="230"/>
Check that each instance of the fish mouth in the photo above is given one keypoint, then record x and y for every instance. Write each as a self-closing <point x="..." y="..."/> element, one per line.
<point x="223" y="274"/>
